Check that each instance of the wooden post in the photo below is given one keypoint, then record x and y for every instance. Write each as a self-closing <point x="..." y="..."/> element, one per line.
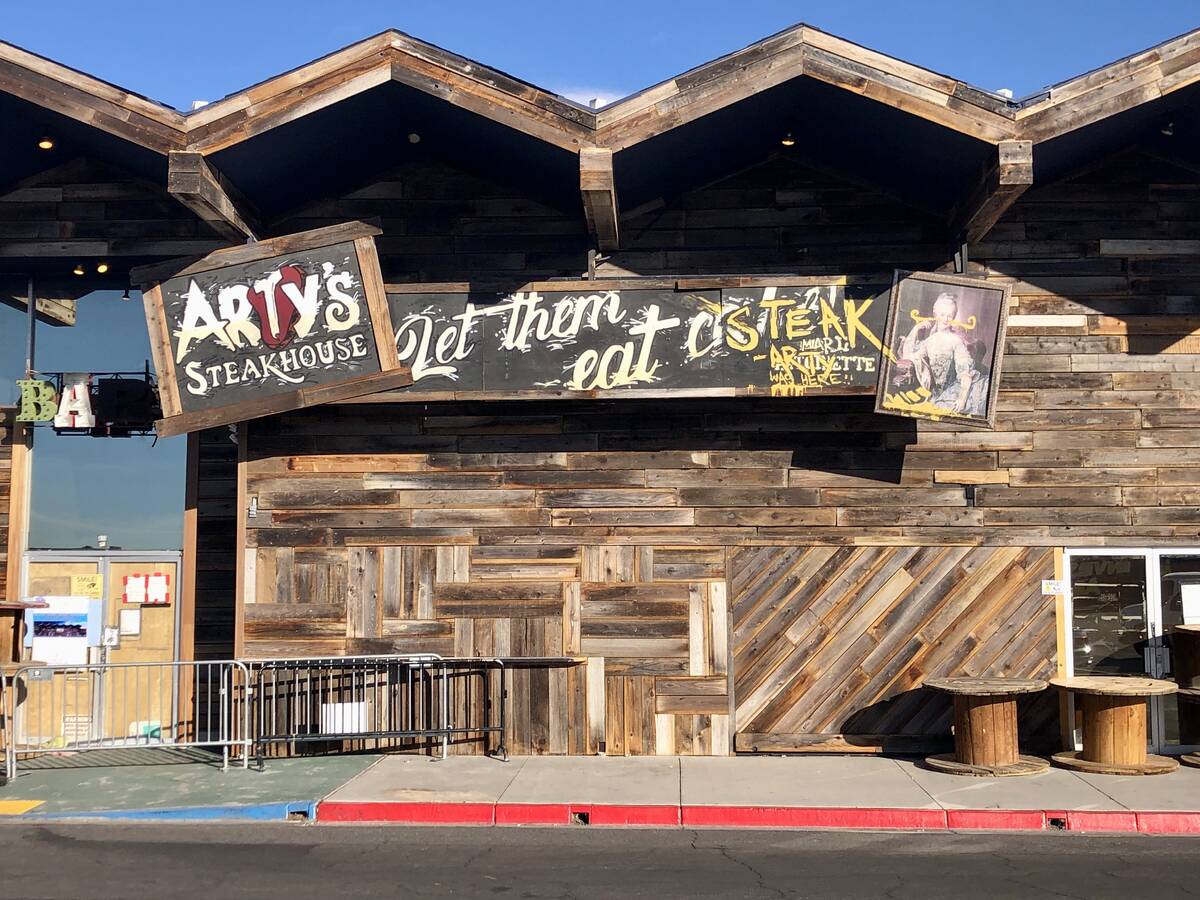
<point x="18" y="507"/>
<point x="187" y="587"/>
<point x="239" y="614"/>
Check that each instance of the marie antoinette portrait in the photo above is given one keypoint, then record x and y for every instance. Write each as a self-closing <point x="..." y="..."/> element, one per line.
<point x="943" y="345"/>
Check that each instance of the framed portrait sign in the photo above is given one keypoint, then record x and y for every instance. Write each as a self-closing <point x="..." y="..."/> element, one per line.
<point x="944" y="343"/>
<point x="270" y="326"/>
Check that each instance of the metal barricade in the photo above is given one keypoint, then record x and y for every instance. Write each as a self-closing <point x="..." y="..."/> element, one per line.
<point x="364" y="698"/>
<point x="68" y="709"/>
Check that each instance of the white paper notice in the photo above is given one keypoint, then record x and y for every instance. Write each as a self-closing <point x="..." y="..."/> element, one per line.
<point x="1190" y="594"/>
<point x="129" y="622"/>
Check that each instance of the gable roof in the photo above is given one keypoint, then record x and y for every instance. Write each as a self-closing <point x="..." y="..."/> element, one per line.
<point x="805" y="51"/>
<point x="801" y="50"/>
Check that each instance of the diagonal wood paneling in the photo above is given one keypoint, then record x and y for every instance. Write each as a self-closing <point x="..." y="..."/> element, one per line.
<point x="838" y="640"/>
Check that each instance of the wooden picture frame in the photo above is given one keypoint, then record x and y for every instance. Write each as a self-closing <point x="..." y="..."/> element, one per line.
<point x="271" y="326"/>
<point x="931" y="341"/>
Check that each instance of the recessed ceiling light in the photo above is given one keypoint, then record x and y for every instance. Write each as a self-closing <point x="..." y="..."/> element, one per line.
<point x="787" y="140"/>
<point x="78" y="270"/>
<point x="46" y="143"/>
<point x="101" y="268"/>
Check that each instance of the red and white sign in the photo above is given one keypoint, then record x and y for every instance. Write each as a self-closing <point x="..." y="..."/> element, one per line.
<point x="75" y="405"/>
<point x="151" y="589"/>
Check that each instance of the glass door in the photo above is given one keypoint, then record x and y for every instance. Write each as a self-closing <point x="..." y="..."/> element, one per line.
<point x="1179" y="589"/>
<point x="1124" y="607"/>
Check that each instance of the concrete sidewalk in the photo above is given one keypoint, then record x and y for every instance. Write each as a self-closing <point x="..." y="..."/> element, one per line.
<point x="169" y="784"/>
<point x="766" y="792"/>
<point x="805" y="791"/>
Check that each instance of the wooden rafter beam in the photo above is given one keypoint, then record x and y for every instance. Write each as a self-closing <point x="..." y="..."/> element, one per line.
<point x="206" y="192"/>
<point x="79" y="96"/>
<point x="1007" y="177"/>
<point x="54" y="302"/>
<point x="599" y="192"/>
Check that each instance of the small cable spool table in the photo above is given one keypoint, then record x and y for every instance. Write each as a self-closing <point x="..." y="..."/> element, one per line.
<point x="1114" y="725"/>
<point x="1185" y="650"/>
<point x="985" y="727"/>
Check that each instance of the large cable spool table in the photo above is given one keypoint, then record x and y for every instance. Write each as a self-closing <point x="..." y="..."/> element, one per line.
<point x="1114" y="725"/>
<point x="985" y="727"/>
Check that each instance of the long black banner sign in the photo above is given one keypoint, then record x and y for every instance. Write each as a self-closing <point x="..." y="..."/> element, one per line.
<point x="784" y="341"/>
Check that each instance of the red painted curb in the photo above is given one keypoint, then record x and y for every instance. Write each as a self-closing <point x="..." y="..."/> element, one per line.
<point x="996" y="819"/>
<point x="1120" y="821"/>
<point x="812" y="817"/>
<point x="417" y="813"/>
<point x="604" y="814"/>
<point x="1101" y="821"/>
<point x="533" y="814"/>
<point x="1168" y="822"/>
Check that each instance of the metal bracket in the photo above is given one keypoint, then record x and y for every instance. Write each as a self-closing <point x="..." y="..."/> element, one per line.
<point x="961" y="259"/>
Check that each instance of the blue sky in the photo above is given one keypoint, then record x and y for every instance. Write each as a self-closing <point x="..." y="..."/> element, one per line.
<point x="177" y="53"/>
<point x="180" y="52"/>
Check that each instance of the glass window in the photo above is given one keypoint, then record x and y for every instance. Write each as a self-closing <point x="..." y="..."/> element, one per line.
<point x="1109" y="625"/>
<point x="129" y="489"/>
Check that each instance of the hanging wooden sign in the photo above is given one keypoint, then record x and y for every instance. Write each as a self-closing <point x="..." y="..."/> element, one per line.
<point x="946" y="339"/>
<point x="275" y="325"/>
<point x="700" y="337"/>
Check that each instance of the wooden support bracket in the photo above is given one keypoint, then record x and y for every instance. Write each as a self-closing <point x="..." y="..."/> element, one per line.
<point x="1007" y="177"/>
<point x="598" y="188"/>
<point x="203" y="190"/>
<point x="51" y="310"/>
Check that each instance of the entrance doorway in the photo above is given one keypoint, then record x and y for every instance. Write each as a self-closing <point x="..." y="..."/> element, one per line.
<point x="1122" y="606"/>
<point x="135" y="594"/>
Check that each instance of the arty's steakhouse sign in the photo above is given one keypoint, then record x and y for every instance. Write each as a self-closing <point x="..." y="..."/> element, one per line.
<point x="781" y="341"/>
<point x="269" y="325"/>
<point x="272" y="326"/>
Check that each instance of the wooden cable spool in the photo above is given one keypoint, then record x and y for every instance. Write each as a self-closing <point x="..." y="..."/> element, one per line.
<point x="985" y="727"/>
<point x="1114" y="726"/>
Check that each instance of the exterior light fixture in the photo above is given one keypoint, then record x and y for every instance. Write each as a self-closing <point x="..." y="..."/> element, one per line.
<point x="78" y="270"/>
<point x="414" y="138"/>
<point x="125" y="294"/>
<point x="101" y="268"/>
<point x="46" y="143"/>
<point x="787" y="140"/>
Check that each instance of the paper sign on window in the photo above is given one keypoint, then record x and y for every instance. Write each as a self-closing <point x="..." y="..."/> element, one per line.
<point x="151" y="589"/>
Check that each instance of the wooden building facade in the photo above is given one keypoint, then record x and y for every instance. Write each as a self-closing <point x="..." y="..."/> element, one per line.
<point x="734" y="573"/>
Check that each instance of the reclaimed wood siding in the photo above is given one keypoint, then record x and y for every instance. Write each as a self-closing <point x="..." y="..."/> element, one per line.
<point x="85" y="208"/>
<point x="1096" y="443"/>
<point x="648" y="624"/>
<point x="216" y="544"/>
<point x="838" y="640"/>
